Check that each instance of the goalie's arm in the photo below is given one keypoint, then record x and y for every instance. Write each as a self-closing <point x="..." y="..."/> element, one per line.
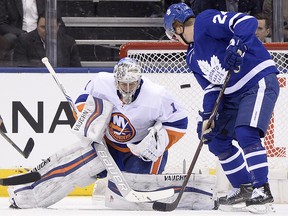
<point x="175" y="131"/>
<point x="173" y="116"/>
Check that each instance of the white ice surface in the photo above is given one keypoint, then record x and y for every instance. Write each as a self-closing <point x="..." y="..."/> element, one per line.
<point x="82" y="206"/>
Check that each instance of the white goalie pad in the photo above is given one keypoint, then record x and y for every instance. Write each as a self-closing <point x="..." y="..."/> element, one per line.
<point x="61" y="173"/>
<point x="93" y="120"/>
<point x="200" y="193"/>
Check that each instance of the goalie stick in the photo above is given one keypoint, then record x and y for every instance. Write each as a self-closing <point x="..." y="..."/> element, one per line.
<point x="53" y="73"/>
<point x="161" y="206"/>
<point x="122" y="185"/>
<point x="28" y="148"/>
<point x="115" y="173"/>
<point x="21" y="179"/>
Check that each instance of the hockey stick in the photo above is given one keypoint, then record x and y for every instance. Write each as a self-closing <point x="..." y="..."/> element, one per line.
<point x="161" y="206"/>
<point x="122" y="185"/>
<point x="53" y="73"/>
<point x="21" y="179"/>
<point x="115" y="173"/>
<point x="28" y="148"/>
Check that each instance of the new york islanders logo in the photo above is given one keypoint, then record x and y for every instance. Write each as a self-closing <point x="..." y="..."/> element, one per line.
<point x="120" y="128"/>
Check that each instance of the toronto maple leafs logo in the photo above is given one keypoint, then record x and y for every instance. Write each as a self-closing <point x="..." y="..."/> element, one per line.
<point x="213" y="71"/>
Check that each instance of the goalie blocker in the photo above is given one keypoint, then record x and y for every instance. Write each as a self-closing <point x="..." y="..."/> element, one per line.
<point x="200" y="193"/>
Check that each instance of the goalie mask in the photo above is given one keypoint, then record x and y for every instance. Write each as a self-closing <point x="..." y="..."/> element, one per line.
<point x="127" y="75"/>
<point x="176" y="12"/>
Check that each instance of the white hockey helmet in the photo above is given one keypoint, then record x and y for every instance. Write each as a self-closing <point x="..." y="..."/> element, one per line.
<point x="127" y="75"/>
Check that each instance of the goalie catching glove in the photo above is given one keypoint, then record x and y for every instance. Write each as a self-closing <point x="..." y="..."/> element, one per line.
<point x="153" y="145"/>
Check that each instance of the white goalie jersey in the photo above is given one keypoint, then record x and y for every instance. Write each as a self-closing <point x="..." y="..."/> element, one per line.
<point x="130" y="123"/>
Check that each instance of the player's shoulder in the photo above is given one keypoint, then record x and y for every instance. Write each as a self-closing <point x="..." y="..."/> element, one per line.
<point x="104" y="75"/>
<point x="205" y="18"/>
<point x="216" y="15"/>
<point x="103" y="78"/>
<point x="151" y="85"/>
<point x="103" y="83"/>
<point x="206" y="14"/>
<point x="153" y="89"/>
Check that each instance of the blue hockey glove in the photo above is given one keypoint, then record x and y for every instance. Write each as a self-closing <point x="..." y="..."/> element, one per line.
<point x="202" y="127"/>
<point x="207" y="137"/>
<point x="199" y="129"/>
<point x="234" y="54"/>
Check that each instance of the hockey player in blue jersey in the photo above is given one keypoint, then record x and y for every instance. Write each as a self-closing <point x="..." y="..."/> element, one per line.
<point x="217" y="42"/>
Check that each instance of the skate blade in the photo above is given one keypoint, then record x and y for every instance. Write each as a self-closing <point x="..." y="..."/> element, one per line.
<point x="239" y="207"/>
<point x="261" y="209"/>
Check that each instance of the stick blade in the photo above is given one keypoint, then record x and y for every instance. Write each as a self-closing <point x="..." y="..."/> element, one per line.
<point x="148" y="196"/>
<point x="165" y="207"/>
<point x="28" y="148"/>
<point x="21" y="179"/>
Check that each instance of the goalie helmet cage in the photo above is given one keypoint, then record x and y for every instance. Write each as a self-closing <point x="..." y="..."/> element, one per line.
<point x="164" y="63"/>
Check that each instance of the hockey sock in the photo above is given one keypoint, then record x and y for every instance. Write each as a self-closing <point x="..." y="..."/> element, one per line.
<point x="234" y="167"/>
<point x="257" y="162"/>
<point x="255" y="153"/>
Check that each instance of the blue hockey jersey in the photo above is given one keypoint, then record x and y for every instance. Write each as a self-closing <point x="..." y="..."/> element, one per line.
<point x="213" y="31"/>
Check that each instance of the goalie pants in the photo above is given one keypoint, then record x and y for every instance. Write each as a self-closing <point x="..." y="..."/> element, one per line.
<point x="245" y="118"/>
<point x="128" y="162"/>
